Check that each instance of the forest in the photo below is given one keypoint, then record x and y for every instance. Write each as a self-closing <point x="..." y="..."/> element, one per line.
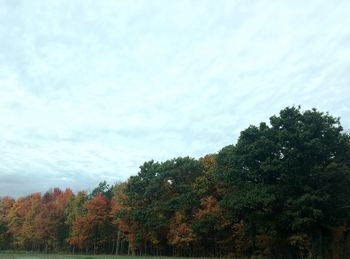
<point x="281" y="191"/>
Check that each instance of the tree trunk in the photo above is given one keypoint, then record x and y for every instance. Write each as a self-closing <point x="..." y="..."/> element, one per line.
<point x="118" y="243"/>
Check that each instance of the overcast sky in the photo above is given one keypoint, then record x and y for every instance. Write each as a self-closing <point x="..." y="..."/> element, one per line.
<point x="89" y="90"/>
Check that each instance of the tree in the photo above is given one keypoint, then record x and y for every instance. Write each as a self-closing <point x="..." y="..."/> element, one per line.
<point x="21" y="221"/>
<point x="104" y="189"/>
<point x="6" y="204"/>
<point x="93" y="229"/>
<point x="282" y="191"/>
<point x="51" y="228"/>
<point x="181" y="235"/>
<point x="124" y="229"/>
<point x="153" y="196"/>
<point x="289" y="180"/>
<point x="75" y="208"/>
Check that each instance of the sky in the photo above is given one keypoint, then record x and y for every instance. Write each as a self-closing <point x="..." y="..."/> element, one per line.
<point x="89" y="90"/>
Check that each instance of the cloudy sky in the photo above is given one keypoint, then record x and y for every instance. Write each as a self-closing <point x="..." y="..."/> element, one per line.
<point x="89" y="90"/>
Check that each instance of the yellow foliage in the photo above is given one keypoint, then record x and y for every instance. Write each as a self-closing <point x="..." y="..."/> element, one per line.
<point x="180" y="233"/>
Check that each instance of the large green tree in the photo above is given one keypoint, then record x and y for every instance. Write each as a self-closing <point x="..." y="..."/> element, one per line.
<point x="155" y="195"/>
<point x="289" y="181"/>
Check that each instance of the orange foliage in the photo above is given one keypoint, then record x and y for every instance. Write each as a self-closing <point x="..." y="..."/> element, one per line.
<point x="21" y="217"/>
<point x="180" y="233"/>
<point x="90" y="229"/>
<point x="209" y="205"/>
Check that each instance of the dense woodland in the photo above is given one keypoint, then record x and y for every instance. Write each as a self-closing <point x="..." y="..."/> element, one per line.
<point x="282" y="191"/>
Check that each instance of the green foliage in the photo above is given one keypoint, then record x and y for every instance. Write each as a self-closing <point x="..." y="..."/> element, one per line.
<point x="282" y="191"/>
<point x="292" y="177"/>
<point x="104" y="189"/>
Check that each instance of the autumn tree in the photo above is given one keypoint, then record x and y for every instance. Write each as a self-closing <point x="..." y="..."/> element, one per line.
<point x="181" y="235"/>
<point x="92" y="231"/>
<point x="282" y="191"/>
<point x="21" y="222"/>
<point x="6" y="204"/>
<point x="51" y="227"/>
<point x="74" y="208"/>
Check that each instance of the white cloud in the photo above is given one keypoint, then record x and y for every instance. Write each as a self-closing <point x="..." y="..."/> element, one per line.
<point x="89" y="91"/>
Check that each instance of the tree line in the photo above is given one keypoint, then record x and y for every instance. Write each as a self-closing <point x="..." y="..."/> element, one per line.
<point x="282" y="191"/>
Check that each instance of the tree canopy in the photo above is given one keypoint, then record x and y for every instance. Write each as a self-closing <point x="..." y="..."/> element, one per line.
<point x="281" y="191"/>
